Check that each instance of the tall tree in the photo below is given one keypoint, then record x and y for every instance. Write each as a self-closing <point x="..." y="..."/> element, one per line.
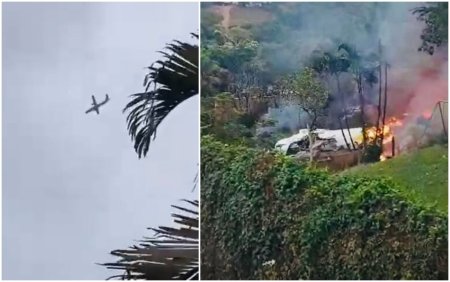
<point x="334" y="65"/>
<point x="363" y="68"/>
<point x="310" y="95"/>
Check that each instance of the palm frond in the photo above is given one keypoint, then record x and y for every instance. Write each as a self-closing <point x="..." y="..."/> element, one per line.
<point x="352" y="54"/>
<point x="171" y="254"/>
<point x="170" y="81"/>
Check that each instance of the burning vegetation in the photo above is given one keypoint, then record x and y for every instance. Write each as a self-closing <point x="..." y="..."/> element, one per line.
<point x="407" y="133"/>
<point x="381" y="67"/>
<point x="332" y="85"/>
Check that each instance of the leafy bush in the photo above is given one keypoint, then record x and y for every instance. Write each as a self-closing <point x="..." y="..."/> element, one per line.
<point x="372" y="153"/>
<point x="435" y="33"/>
<point x="266" y="217"/>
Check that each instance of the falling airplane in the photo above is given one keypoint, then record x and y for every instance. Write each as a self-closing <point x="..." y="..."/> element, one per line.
<point x="96" y="106"/>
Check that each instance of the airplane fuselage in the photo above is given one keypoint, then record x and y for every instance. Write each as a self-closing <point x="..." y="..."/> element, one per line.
<point x="97" y="106"/>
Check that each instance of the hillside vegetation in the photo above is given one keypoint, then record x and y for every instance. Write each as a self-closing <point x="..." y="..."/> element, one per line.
<point x="422" y="174"/>
<point x="266" y="217"/>
<point x="270" y="69"/>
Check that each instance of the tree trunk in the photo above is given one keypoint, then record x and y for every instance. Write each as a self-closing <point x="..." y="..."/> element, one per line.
<point x="247" y="102"/>
<point x="343" y="134"/>
<point x="345" y="115"/>
<point x="362" y="105"/>
<point x="349" y="134"/>
<point x="311" y="127"/>
<point x="393" y="147"/>
<point x="379" y="96"/>
<point x="385" y="103"/>
<point x="311" y="143"/>
<point x="300" y="118"/>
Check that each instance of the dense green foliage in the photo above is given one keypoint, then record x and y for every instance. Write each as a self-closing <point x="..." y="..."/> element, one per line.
<point x="435" y="33"/>
<point x="423" y="174"/>
<point x="266" y="217"/>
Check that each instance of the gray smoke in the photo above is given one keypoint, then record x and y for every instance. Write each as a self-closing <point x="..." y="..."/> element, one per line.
<point x="322" y="26"/>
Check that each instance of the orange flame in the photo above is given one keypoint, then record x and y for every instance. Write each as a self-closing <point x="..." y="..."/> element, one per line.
<point x="388" y="133"/>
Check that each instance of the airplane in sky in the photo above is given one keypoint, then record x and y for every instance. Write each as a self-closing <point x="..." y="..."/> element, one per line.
<point x="96" y="106"/>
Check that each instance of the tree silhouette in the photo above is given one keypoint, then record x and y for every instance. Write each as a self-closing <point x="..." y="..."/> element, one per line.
<point x="169" y="83"/>
<point x="173" y="252"/>
<point x="363" y="68"/>
<point x="334" y="64"/>
<point x="435" y="33"/>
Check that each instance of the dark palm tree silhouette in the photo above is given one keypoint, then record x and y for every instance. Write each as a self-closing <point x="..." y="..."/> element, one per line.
<point x="169" y="83"/>
<point x="363" y="68"/>
<point x="174" y="252"/>
<point x="171" y="254"/>
<point x="334" y="65"/>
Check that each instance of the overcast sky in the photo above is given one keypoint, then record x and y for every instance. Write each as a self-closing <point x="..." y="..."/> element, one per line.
<point x="73" y="187"/>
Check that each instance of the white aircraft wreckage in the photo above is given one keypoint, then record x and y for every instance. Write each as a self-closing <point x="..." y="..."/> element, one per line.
<point x="97" y="106"/>
<point x="325" y="140"/>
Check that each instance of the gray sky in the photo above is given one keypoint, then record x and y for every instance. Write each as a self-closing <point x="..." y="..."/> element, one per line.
<point x="73" y="187"/>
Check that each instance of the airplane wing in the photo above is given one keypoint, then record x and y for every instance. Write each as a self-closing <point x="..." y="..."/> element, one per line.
<point x="93" y="101"/>
<point x="93" y="109"/>
<point x="105" y="101"/>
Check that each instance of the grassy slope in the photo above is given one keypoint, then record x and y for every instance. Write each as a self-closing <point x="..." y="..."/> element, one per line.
<point x="422" y="174"/>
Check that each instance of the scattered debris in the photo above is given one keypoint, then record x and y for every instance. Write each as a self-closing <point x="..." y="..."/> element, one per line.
<point x="326" y="140"/>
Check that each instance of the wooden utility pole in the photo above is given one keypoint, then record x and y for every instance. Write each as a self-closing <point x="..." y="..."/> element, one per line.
<point x="393" y="146"/>
<point x="379" y="92"/>
<point x="442" y="117"/>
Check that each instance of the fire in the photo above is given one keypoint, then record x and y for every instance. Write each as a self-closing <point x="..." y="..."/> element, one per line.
<point x="393" y="121"/>
<point x="392" y="125"/>
<point x="388" y="133"/>
<point x="371" y="132"/>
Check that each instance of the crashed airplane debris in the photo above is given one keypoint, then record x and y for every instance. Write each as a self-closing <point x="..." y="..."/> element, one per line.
<point x="327" y="140"/>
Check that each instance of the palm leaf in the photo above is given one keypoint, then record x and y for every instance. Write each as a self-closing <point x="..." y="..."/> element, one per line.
<point x="170" y="82"/>
<point x="171" y="254"/>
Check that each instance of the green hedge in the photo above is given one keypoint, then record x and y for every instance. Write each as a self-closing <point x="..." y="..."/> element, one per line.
<point x="259" y="206"/>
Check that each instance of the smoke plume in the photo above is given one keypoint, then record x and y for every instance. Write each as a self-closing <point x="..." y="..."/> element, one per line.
<point x="416" y="81"/>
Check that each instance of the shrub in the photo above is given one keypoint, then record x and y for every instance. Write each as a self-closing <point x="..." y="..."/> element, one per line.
<point x="259" y="207"/>
<point x="372" y="153"/>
